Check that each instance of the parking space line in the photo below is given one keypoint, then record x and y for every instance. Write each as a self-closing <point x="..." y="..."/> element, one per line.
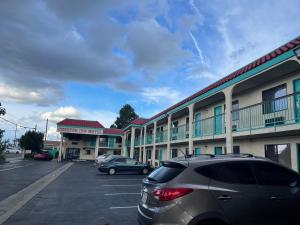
<point x="15" y="167"/>
<point x="120" y="179"/>
<point x="124" y="207"/>
<point x="110" y="194"/>
<point x="13" y="203"/>
<point x="120" y="185"/>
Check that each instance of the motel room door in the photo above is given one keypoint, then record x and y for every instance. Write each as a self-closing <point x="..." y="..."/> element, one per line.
<point x="297" y="100"/>
<point x="218" y="120"/>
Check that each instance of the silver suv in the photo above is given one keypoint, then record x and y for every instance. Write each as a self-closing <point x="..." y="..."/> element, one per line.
<point x="219" y="190"/>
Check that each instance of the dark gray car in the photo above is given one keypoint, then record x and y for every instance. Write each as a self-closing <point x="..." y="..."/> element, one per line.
<point x="208" y="190"/>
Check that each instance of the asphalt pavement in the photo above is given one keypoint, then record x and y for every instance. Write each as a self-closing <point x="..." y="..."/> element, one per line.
<point x="16" y="174"/>
<point x="82" y="195"/>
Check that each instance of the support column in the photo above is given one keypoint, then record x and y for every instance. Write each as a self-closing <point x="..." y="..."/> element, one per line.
<point x="191" y="119"/>
<point x="141" y="147"/>
<point x="228" y="119"/>
<point x="97" y="146"/>
<point x="132" y="142"/>
<point x="60" y="148"/>
<point x="144" y="147"/>
<point x="154" y="143"/>
<point x="169" y="137"/>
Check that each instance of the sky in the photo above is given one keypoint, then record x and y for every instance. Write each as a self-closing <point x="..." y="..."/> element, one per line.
<point x="86" y="59"/>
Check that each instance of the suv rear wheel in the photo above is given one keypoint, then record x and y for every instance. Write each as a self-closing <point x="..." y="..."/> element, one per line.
<point x="112" y="171"/>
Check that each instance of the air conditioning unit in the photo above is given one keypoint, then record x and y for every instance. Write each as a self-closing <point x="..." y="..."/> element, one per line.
<point x="274" y="121"/>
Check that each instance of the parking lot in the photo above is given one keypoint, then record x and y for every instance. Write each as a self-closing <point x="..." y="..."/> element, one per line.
<point x="82" y="195"/>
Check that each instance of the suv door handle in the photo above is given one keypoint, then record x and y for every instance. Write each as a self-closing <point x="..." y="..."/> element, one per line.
<point x="224" y="197"/>
<point x="276" y="198"/>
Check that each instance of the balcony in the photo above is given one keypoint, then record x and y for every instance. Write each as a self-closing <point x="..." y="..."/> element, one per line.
<point x="209" y="126"/>
<point x="179" y="133"/>
<point x="161" y="136"/>
<point x="280" y="114"/>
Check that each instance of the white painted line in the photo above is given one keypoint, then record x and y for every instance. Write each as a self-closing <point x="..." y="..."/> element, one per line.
<point x="120" y="185"/>
<point x="119" y="179"/>
<point x="15" y="167"/>
<point x="13" y="203"/>
<point x="109" y="194"/>
<point x="124" y="207"/>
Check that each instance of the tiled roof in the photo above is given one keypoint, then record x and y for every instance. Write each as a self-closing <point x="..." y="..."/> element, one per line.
<point x="279" y="51"/>
<point x="112" y="131"/>
<point x="80" y="123"/>
<point x="139" y="121"/>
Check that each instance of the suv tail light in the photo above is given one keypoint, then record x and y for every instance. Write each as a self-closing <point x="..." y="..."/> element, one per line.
<point x="167" y="194"/>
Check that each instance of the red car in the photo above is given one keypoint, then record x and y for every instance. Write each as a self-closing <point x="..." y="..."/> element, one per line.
<point x="42" y="156"/>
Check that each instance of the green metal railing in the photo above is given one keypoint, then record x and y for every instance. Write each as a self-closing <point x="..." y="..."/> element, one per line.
<point x="127" y="143"/>
<point x="136" y="141"/>
<point x="209" y="126"/>
<point x="109" y="145"/>
<point x="179" y="133"/>
<point x="277" y="112"/>
<point x="149" y="139"/>
<point x="161" y="136"/>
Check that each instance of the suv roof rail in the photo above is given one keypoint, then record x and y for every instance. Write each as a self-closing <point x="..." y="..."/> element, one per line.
<point x="238" y="155"/>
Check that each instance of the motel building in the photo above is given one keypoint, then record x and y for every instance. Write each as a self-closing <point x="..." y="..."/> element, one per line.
<point x="85" y="140"/>
<point x="255" y="109"/>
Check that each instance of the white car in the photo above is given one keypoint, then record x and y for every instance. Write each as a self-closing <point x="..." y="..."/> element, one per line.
<point x="100" y="158"/>
<point x="13" y="150"/>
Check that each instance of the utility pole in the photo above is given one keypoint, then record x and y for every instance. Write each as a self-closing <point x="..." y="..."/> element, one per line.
<point x="15" y="135"/>
<point x="46" y="130"/>
<point x="35" y="128"/>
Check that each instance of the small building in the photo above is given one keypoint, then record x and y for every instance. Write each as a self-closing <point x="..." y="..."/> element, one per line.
<point x="85" y="139"/>
<point x="51" y="145"/>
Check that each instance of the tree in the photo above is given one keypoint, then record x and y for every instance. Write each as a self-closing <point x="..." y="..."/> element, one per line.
<point x="2" y="143"/>
<point x="126" y="115"/>
<point x="32" y="140"/>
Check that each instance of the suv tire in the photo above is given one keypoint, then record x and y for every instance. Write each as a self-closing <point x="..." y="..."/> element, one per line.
<point x="112" y="171"/>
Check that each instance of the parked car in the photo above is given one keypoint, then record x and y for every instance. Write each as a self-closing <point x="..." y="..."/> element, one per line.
<point x="220" y="190"/>
<point x="100" y="158"/>
<point x="42" y="156"/>
<point x="13" y="150"/>
<point x="122" y="164"/>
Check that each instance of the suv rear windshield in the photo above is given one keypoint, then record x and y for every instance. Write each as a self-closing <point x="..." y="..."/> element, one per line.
<point x="164" y="174"/>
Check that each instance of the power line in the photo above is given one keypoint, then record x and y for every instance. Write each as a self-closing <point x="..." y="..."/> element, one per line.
<point x="17" y="125"/>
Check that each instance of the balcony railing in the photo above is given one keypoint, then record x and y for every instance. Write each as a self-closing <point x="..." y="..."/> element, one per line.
<point x="209" y="126"/>
<point x="179" y="133"/>
<point x="161" y="136"/>
<point x="277" y="112"/>
<point x="109" y="145"/>
<point x="149" y="139"/>
<point x="136" y="141"/>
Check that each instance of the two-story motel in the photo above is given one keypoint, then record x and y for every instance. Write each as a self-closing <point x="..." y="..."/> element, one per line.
<point x="255" y="109"/>
<point x="85" y="140"/>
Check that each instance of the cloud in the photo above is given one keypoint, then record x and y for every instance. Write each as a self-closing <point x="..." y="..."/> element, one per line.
<point x="39" y="96"/>
<point x="61" y="113"/>
<point x="161" y="95"/>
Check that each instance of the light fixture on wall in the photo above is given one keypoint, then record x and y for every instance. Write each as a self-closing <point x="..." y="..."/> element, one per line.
<point x="297" y="52"/>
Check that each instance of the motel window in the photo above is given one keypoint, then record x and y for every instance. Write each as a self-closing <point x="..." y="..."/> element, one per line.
<point x="235" y="112"/>
<point x="87" y="152"/>
<point x="175" y="127"/>
<point x="280" y="153"/>
<point x="187" y="120"/>
<point x="236" y="149"/>
<point x="74" y="143"/>
<point x="156" y="154"/>
<point x="174" y="153"/>
<point x="274" y="100"/>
